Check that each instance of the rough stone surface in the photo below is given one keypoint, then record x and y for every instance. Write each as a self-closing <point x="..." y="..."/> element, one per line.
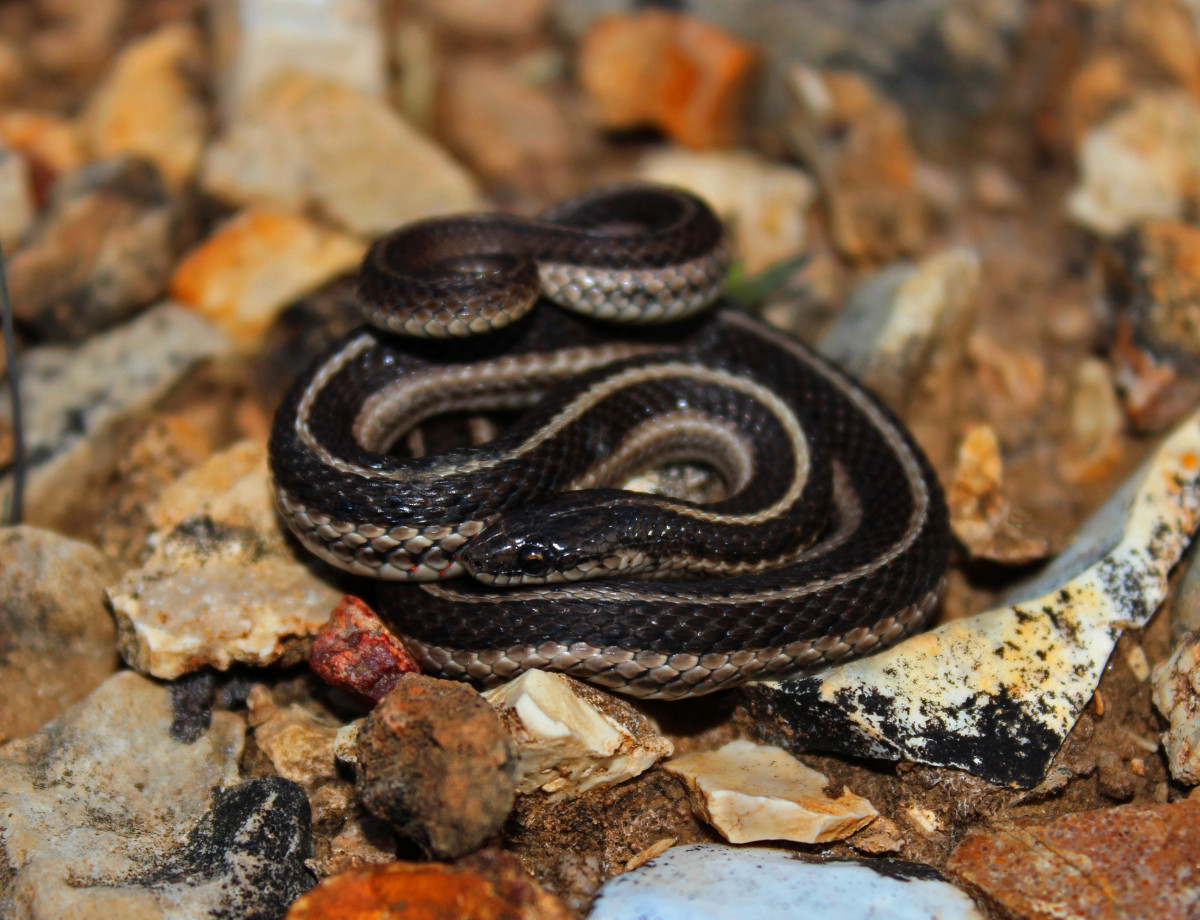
<point x="570" y="737"/>
<point x="222" y="584"/>
<point x="763" y="204"/>
<point x="147" y="106"/>
<point x="51" y="142"/>
<point x="710" y="882"/>
<point x="357" y="653"/>
<point x="980" y="514"/>
<point x="75" y="398"/>
<point x="102" y="814"/>
<point x="1177" y="697"/>
<point x="907" y="324"/>
<point x="102" y="251"/>
<point x="1153" y="280"/>
<point x="997" y="693"/>
<point x="752" y="792"/>
<point x="490" y="885"/>
<point x="256" y="40"/>
<point x="256" y="264"/>
<point x="1140" y="164"/>
<point x="309" y="141"/>
<point x="483" y="19"/>
<point x="435" y="762"/>
<point x="58" y="634"/>
<point x="1132" y="861"/>
<point x="856" y="143"/>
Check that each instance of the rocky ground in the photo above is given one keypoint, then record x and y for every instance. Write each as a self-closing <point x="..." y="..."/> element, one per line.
<point x="985" y="210"/>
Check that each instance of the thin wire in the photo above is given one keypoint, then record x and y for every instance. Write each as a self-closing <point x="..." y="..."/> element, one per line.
<point x="16" y="500"/>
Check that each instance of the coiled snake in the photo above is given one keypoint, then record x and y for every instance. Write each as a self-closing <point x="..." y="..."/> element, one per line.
<point x="830" y="538"/>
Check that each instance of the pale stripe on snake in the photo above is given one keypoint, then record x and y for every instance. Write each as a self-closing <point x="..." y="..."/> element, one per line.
<point x="831" y="539"/>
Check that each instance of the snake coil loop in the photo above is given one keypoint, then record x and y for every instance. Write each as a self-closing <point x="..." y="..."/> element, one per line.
<point x="829" y="538"/>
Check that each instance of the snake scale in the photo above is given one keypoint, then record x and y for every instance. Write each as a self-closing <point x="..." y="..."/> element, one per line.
<point x="829" y="538"/>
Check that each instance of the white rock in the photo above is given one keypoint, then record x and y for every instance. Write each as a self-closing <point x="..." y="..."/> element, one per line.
<point x="996" y="694"/>
<point x="73" y="398"/>
<point x="222" y="585"/>
<point x="763" y="202"/>
<point x="256" y="40"/>
<point x="16" y="198"/>
<point x="711" y="882"/>
<point x="1177" y="696"/>
<point x="571" y="737"/>
<point x="101" y="796"/>
<point x="752" y="792"/>
<point x="903" y="318"/>
<point x="1141" y="163"/>
<point x="312" y="141"/>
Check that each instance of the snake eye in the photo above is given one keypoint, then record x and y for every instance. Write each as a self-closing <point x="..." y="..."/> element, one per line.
<point x="535" y="559"/>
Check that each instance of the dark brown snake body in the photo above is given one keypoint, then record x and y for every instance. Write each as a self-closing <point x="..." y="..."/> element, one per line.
<point x="831" y="538"/>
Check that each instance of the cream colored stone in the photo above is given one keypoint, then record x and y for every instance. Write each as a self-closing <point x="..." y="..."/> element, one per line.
<point x="764" y="203"/>
<point x="1141" y="163"/>
<point x="299" y="745"/>
<point x="311" y="141"/>
<point x="222" y="585"/>
<point x="256" y="264"/>
<point x="751" y="792"/>
<point x="146" y="106"/>
<point x="256" y="40"/>
<point x="571" y="737"/>
<point x="1177" y="697"/>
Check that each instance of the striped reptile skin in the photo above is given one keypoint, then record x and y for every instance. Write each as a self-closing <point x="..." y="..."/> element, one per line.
<point x="830" y="538"/>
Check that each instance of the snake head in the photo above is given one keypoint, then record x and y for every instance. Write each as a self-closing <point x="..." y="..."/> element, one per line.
<point x="571" y="537"/>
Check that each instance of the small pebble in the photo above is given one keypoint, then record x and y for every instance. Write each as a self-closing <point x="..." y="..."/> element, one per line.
<point x="435" y="762"/>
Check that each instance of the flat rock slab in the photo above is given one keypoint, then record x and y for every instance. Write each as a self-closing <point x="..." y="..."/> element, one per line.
<point x="711" y="882"/>
<point x="1112" y="864"/>
<point x="58" y="633"/>
<point x="103" y="815"/>
<point x="73" y="398"/>
<point x="996" y="694"/>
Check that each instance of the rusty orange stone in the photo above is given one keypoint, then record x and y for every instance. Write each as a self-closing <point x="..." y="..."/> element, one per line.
<point x="667" y="70"/>
<point x="487" y="886"/>
<point x="1111" y="864"/>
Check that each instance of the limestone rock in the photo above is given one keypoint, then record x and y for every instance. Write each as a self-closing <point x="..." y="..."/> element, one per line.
<point x="256" y="40"/>
<point x="752" y="792"/>
<point x="570" y="737"/>
<point x="1177" y="697"/>
<point x="222" y="585"/>
<point x="74" y="399"/>
<point x="58" y="632"/>
<point x="311" y="141"/>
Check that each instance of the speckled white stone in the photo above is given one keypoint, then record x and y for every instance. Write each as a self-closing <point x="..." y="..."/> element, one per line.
<point x="711" y="882"/>
<point x="996" y="693"/>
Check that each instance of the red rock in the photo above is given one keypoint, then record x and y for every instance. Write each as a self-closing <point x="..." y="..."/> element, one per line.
<point x="487" y="886"/>
<point x="665" y="69"/>
<point x="356" y="652"/>
<point x="1112" y="864"/>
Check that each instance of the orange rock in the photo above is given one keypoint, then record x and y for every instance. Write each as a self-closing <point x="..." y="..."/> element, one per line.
<point x="256" y="264"/>
<point x="49" y="141"/>
<point x="665" y="69"/>
<point x="490" y="885"/>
